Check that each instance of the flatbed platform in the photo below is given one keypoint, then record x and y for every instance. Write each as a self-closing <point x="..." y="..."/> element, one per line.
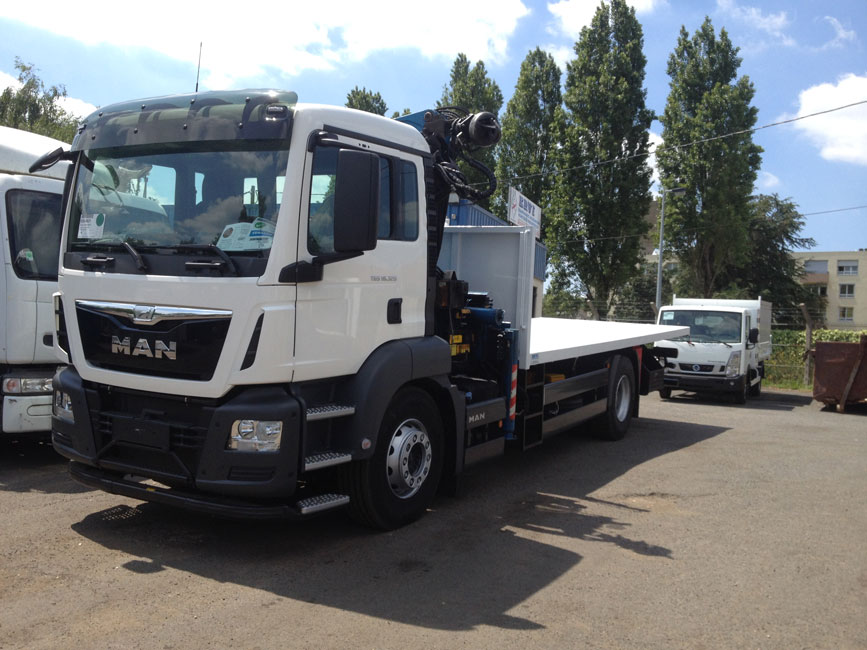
<point x="554" y="339"/>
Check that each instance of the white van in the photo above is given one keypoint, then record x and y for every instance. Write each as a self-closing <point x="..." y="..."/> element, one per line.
<point x="30" y="223"/>
<point x="725" y="350"/>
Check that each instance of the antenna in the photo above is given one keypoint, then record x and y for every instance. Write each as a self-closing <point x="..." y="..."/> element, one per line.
<point x="199" y="68"/>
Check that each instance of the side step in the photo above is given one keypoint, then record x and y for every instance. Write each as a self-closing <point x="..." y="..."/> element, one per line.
<point x="320" y="461"/>
<point x="321" y="502"/>
<point x="328" y="411"/>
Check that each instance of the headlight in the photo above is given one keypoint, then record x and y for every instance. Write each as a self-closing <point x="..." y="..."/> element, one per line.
<point x="733" y="367"/>
<point x="63" y="406"/>
<point x="27" y="385"/>
<point x="255" y="435"/>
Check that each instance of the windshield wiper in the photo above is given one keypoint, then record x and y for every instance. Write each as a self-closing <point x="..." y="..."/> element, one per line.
<point x="209" y="248"/>
<point x="115" y="243"/>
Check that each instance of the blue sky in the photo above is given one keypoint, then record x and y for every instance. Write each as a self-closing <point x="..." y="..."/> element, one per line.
<point x="803" y="56"/>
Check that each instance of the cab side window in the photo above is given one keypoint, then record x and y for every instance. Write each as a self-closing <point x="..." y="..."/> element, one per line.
<point x="34" y="233"/>
<point x="398" y="201"/>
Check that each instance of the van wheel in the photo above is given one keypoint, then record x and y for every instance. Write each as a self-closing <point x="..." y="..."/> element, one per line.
<point x="740" y="396"/>
<point x="398" y="483"/>
<point x="614" y="424"/>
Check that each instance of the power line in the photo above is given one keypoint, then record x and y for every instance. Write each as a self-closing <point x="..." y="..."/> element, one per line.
<point x="664" y="147"/>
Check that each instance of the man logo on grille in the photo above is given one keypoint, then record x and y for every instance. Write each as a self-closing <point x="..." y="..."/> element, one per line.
<point x="142" y="348"/>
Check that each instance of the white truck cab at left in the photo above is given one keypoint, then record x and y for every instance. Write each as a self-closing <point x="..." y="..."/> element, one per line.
<point x="30" y="223"/>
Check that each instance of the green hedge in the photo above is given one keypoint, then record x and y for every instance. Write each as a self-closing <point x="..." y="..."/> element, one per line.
<point x="785" y="368"/>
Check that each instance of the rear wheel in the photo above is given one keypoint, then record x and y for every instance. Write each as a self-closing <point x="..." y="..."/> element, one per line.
<point x="621" y="401"/>
<point x="397" y="484"/>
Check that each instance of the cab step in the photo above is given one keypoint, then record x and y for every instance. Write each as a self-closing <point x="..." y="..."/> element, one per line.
<point x="327" y="459"/>
<point x="321" y="502"/>
<point x="328" y="411"/>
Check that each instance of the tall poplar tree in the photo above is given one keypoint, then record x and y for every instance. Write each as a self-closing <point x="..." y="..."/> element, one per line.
<point x="602" y="189"/>
<point x="470" y="88"/>
<point x="525" y="155"/>
<point x="707" y="226"/>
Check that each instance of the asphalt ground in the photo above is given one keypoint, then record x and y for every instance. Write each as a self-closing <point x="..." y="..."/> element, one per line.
<point x="709" y="526"/>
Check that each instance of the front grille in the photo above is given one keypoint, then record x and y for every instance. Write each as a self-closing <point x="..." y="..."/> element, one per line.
<point x="694" y="367"/>
<point x="179" y="349"/>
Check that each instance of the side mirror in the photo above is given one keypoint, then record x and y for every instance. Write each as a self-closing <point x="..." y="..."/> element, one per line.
<point x="356" y="201"/>
<point x="754" y="336"/>
<point x="50" y="159"/>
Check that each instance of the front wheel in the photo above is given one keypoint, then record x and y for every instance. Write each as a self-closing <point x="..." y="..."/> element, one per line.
<point x="621" y="401"/>
<point x="397" y="484"/>
<point x="665" y="393"/>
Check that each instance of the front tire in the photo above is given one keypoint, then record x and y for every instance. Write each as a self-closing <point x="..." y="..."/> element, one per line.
<point x="740" y="396"/>
<point x="614" y="424"/>
<point x="665" y="393"/>
<point x="398" y="483"/>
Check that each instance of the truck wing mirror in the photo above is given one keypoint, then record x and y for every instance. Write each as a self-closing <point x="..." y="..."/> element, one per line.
<point x="45" y="161"/>
<point x="754" y="336"/>
<point x="356" y="201"/>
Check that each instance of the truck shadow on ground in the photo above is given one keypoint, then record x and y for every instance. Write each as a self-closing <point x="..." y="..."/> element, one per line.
<point x="470" y="562"/>
<point x="767" y="401"/>
<point x="30" y="464"/>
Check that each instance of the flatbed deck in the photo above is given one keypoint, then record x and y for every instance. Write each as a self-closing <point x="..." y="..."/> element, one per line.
<point x="554" y="339"/>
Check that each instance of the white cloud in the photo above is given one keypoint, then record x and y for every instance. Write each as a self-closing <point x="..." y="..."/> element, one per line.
<point x="571" y="16"/>
<point x="77" y="107"/>
<point x="8" y="81"/>
<point x="767" y="181"/>
<point x="772" y="24"/>
<point x="842" y="36"/>
<point x="562" y="54"/>
<point x="291" y="37"/>
<point x="841" y="135"/>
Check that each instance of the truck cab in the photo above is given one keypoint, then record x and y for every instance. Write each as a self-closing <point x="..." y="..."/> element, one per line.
<point x="725" y="350"/>
<point x="30" y="225"/>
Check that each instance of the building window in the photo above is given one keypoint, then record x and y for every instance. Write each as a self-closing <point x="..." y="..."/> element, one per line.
<point x="847" y="267"/>
<point x="816" y="266"/>
<point x="820" y="289"/>
<point x="847" y="314"/>
<point x="847" y="290"/>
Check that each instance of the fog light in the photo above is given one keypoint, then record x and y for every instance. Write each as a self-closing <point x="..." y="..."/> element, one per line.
<point x="63" y="406"/>
<point x="11" y="385"/>
<point x="255" y="435"/>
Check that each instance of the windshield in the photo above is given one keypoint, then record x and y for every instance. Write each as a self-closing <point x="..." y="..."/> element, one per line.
<point x="223" y="194"/>
<point x="705" y="326"/>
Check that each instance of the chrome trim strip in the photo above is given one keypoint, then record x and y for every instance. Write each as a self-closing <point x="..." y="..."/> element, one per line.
<point x="152" y="314"/>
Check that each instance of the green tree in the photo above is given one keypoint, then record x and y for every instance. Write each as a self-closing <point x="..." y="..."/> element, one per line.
<point x="602" y="191"/>
<point x="769" y="270"/>
<point x="525" y="153"/>
<point x="366" y="100"/>
<point x="470" y="88"/>
<point x="707" y="226"/>
<point x="33" y="107"/>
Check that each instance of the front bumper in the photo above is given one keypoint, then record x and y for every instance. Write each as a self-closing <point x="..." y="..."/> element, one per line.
<point x="704" y="384"/>
<point x="26" y="413"/>
<point x="178" y="441"/>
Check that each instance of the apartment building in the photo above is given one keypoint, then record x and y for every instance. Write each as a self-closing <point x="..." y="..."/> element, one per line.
<point x="841" y="277"/>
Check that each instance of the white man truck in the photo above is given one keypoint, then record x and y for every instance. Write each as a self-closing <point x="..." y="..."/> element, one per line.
<point x="725" y="350"/>
<point x="251" y="299"/>
<point x="30" y="224"/>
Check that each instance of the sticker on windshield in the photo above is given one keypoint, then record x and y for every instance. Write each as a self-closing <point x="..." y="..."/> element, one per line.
<point x="247" y="236"/>
<point x="91" y="226"/>
<point x="667" y="315"/>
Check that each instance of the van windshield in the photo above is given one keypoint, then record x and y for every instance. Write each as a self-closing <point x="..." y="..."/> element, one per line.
<point x="224" y="194"/>
<point x="705" y="326"/>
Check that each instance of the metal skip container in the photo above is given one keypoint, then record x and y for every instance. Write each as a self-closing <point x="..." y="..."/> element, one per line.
<point x="841" y="373"/>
